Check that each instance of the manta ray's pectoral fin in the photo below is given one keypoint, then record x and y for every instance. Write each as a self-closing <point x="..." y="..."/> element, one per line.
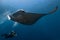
<point x="54" y="10"/>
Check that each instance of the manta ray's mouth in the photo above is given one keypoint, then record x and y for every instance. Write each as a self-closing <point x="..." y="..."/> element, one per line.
<point x="9" y="18"/>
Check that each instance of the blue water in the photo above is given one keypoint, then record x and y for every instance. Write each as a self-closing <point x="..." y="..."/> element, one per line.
<point x="46" y="28"/>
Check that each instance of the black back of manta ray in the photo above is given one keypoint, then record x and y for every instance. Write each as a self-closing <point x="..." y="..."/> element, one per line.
<point x="26" y="18"/>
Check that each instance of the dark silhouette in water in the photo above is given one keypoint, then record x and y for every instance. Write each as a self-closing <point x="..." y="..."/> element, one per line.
<point x="10" y="35"/>
<point x="28" y="18"/>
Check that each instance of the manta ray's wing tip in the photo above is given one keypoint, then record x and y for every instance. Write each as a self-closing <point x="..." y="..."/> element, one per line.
<point x="56" y="7"/>
<point x="54" y="10"/>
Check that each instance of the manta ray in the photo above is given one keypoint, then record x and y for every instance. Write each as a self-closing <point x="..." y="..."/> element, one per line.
<point x="28" y="18"/>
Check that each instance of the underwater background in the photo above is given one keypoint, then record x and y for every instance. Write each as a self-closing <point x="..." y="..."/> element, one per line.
<point x="46" y="28"/>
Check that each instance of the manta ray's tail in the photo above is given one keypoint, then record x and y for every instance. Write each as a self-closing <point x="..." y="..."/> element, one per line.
<point x="54" y="10"/>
